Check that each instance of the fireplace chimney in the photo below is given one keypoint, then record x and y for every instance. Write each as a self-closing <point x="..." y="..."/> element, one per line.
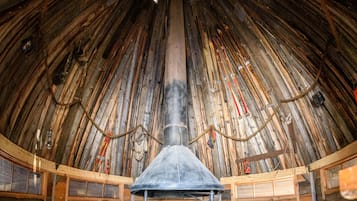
<point x="176" y="172"/>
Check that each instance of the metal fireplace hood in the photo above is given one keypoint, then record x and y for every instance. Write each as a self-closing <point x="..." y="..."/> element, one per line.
<point x="176" y="172"/>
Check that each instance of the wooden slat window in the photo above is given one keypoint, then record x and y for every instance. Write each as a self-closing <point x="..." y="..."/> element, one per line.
<point x="77" y="188"/>
<point x="266" y="189"/>
<point x="110" y="191"/>
<point x="332" y="181"/>
<point x="95" y="190"/>
<point x="18" y="179"/>
<point x="5" y="174"/>
<point x="85" y="189"/>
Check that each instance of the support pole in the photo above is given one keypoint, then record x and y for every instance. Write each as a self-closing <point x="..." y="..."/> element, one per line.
<point x="145" y="195"/>
<point x="312" y="184"/>
<point x="54" y="181"/>
<point x="211" y="196"/>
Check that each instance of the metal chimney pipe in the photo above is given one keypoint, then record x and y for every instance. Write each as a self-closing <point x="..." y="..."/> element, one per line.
<point x="176" y="171"/>
<point x="175" y="99"/>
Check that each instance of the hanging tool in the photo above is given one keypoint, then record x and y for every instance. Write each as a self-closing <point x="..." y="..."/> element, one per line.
<point x="235" y="81"/>
<point x="219" y="59"/>
<point x="101" y="155"/>
<point x="246" y="166"/>
<point x="212" y="138"/>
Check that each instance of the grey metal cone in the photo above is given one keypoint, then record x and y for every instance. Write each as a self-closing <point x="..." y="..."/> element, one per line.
<point x="176" y="172"/>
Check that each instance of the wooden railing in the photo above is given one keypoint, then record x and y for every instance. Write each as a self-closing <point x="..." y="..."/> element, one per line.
<point x="330" y="165"/>
<point x="16" y="154"/>
<point x="278" y="184"/>
<point x="282" y="184"/>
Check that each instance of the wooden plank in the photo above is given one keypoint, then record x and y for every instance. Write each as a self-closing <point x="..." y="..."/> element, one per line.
<point x="67" y="189"/>
<point x="279" y="188"/>
<point x="264" y="176"/>
<point x="77" y="198"/>
<point x="344" y="153"/>
<point x="263" y="156"/>
<point x="27" y="159"/>
<point x="21" y="195"/>
<point x="121" y="192"/>
<point x="45" y="178"/>
<point x="92" y="176"/>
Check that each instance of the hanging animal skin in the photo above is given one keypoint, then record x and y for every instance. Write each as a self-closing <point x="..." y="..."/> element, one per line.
<point x="139" y="149"/>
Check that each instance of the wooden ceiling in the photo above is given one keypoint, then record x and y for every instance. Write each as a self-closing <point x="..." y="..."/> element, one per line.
<point x="88" y="69"/>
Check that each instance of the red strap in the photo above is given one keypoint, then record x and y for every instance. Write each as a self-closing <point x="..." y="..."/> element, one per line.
<point x="355" y="92"/>
<point x="106" y="139"/>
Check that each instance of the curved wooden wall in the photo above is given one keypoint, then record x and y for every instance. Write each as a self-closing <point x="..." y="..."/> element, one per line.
<point x="243" y="57"/>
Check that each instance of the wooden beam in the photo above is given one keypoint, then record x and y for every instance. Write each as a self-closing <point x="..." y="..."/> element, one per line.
<point x="67" y="189"/>
<point x="76" y="173"/>
<point x="80" y="198"/>
<point x="45" y="178"/>
<point x="121" y="192"/>
<point x="263" y="156"/>
<point x="27" y="159"/>
<point x="344" y="153"/>
<point x="264" y="176"/>
<point x="20" y="195"/>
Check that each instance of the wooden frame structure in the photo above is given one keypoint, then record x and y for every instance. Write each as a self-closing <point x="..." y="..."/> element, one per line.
<point x="120" y="188"/>
<point x="42" y="190"/>
<point x="24" y="158"/>
<point x="323" y="165"/>
<point x="348" y="182"/>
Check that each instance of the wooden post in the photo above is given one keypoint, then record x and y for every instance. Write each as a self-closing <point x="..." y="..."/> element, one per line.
<point x="44" y="185"/>
<point x="296" y="184"/>
<point x="312" y="184"/>
<point x="54" y="179"/>
<point x="233" y="191"/>
<point x="323" y="182"/>
<point x="67" y="189"/>
<point x="121" y="192"/>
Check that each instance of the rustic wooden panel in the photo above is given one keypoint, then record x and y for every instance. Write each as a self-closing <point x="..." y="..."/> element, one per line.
<point x="245" y="191"/>
<point x="243" y="58"/>
<point x="284" y="187"/>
